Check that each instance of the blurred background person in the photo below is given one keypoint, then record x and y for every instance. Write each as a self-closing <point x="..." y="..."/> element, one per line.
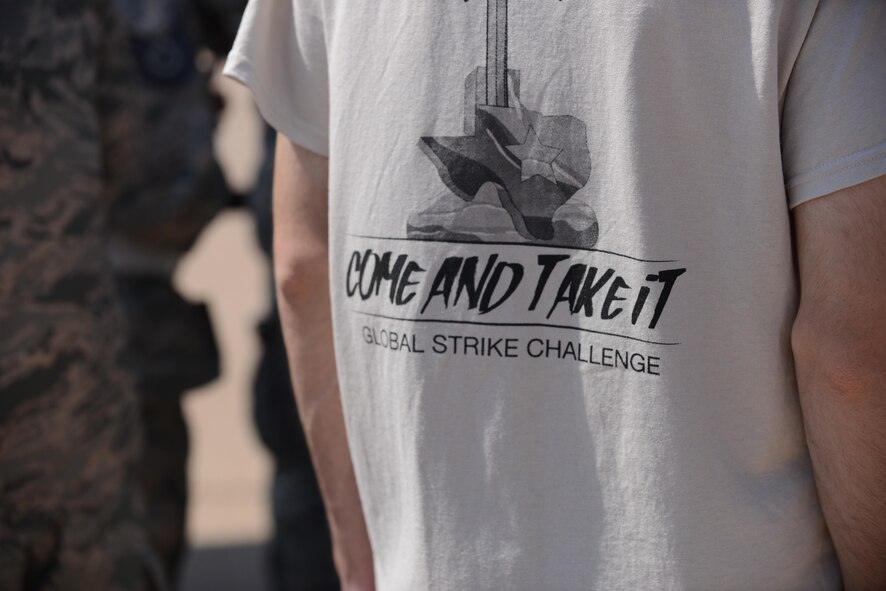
<point x="177" y="189"/>
<point x="84" y="455"/>
<point x="69" y="427"/>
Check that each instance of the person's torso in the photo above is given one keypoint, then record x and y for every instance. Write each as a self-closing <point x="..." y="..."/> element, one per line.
<point x="563" y="290"/>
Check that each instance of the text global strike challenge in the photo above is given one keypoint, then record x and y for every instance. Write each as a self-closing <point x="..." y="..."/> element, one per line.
<point x="513" y="347"/>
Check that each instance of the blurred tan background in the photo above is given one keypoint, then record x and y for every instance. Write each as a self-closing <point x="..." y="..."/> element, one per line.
<point x="229" y="471"/>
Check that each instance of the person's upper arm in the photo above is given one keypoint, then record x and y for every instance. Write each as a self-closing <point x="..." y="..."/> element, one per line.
<point x="300" y="207"/>
<point x="280" y="54"/>
<point x="841" y="255"/>
<point x="833" y="144"/>
<point x="833" y="123"/>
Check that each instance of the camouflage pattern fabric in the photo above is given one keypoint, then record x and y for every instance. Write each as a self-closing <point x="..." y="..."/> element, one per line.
<point x="69" y="428"/>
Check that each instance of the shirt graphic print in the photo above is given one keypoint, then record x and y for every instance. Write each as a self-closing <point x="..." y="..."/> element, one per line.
<point x="514" y="178"/>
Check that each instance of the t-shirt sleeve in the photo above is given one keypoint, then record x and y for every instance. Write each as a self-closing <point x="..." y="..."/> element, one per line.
<point x="833" y="124"/>
<point x="280" y="54"/>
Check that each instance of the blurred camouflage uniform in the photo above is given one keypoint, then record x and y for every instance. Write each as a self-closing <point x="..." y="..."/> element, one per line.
<point x="69" y="436"/>
<point x="171" y="347"/>
<point x="300" y="551"/>
<point x="176" y="189"/>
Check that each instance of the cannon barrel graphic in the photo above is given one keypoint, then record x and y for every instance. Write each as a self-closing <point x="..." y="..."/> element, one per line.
<point x="497" y="53"/>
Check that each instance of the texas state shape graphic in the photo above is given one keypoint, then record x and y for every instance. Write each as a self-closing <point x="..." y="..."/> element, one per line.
<point x="526" y="163"/>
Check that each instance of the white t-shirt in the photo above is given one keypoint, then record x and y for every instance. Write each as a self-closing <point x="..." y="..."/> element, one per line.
<point x="562" y="276"/>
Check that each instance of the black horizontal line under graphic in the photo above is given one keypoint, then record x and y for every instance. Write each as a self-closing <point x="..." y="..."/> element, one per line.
<point x="508" y="324"/>
<point x="530" y="244"/>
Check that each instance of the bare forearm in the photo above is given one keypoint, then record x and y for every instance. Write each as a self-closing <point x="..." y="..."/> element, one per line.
<point x="846" y="432"/>
<point x="308" y="332"/>
<point x="302" y="273"/>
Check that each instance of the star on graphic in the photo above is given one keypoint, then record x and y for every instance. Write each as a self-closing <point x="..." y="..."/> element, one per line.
<point x="535" y="157"/>
<point x="530" y="186"/>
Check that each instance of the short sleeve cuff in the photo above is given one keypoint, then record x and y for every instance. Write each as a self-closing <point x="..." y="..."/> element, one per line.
<point x="295" y="128"/>
<point x="835" y="175"/>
